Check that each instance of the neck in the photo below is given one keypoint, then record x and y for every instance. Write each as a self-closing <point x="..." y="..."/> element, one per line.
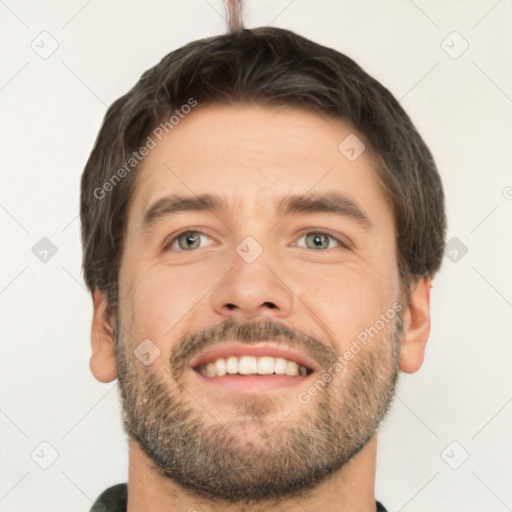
<point x="350" y="489"/>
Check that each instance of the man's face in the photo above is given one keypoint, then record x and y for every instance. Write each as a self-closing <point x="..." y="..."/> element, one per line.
<point x="256" y="282"/>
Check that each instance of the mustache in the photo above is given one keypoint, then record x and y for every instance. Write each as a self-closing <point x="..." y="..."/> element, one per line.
<point x="251" y="333"/>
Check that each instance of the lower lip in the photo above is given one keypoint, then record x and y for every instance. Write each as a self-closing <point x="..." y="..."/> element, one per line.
<point x="248" y="383"/>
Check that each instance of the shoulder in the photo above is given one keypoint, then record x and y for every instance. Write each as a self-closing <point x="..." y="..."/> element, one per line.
<point x="113" y="499"/>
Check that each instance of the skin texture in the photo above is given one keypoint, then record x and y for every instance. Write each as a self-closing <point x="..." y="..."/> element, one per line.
<point x="197" y="445"/>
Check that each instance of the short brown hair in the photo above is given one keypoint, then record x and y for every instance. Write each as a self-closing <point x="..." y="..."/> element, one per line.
<point x="270" y="66"/>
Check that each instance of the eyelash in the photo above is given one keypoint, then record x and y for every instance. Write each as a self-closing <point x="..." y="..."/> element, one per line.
<point x="343" y="245"/>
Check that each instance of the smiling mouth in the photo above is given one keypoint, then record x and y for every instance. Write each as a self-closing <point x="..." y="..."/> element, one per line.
<point x="252" y="365"/>
<point x="259" y="367"/>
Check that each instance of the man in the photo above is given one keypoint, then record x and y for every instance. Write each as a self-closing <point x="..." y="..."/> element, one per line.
<point x="261" y="223"/>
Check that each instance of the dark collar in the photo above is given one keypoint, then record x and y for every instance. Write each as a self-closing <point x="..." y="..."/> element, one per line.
<point x="115" y="498"/>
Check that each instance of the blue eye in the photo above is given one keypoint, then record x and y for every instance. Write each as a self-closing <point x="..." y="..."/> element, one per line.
<point x="319" y="239"/>
<point x="187" y="240"/>
<point x="191" y="239"/>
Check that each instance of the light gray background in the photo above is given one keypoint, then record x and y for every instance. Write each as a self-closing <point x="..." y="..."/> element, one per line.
<point x="51" y="110"/>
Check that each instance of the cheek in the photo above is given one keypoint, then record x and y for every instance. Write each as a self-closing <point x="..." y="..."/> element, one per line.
<point x="163" y="297"/>
<point x="345" y="301"/>
<point x="159" y="300"/>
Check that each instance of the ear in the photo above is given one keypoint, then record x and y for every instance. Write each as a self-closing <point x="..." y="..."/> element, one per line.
<point x="416" y="325"/>
<point x="102" y="362"/>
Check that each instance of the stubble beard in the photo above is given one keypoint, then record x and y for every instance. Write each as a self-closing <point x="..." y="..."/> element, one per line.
<point x="254" y="458"/>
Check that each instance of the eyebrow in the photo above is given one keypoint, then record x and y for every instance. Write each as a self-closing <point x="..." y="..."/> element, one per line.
<point x="331" y="202"/>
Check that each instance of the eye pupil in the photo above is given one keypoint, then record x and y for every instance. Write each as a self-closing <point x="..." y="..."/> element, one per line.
<point x="318" y="238"/>
<point x="190" y="238"/>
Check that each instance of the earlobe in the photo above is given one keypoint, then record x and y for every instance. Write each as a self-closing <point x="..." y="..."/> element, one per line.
<point x="416" y="326"/>
<point x="102" y="362"/>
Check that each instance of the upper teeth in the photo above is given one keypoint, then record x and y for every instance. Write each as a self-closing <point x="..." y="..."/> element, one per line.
<point x="249" y="365"/>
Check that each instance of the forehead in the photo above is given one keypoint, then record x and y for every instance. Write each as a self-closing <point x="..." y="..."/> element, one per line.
<point x="254" y="155"/>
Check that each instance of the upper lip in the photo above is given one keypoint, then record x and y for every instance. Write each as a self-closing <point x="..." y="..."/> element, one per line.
<point x="257" y="350"/>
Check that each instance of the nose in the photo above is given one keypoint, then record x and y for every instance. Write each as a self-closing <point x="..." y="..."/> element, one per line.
<point x="250" y="290"/>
